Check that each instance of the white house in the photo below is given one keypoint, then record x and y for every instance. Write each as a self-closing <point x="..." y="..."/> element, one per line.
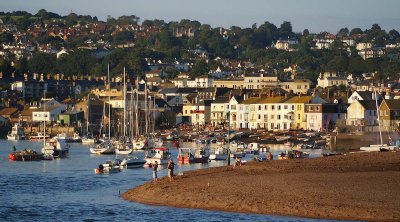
<point x="329" y="79"/>
<point x="362" y="113"/>
<point x="47" y="113"/>
<point x="363" y="95"/>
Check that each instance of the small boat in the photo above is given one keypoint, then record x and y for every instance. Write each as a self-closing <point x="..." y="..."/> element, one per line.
<point x="378" y="147"/>
<point x="220" y="153"/>
<point x="110" y="166"/>
<point x="134" y="162"/>
<point x="288" y="144"/>
<point x="17" y="133"/>
<point x="103" y="148"/>
<point x="282" y="138"/>
<point x="88" y="140"/>
<point x="56" y="147"/>
<point x="75" y="138"/>
<point x="25" y="155"/>
<point x="123" y="148"/>
<point x="159" y="155"/>
<point x="38" y="137"/>
<point x="139" y="144"/>
<point x="186" y="155"/>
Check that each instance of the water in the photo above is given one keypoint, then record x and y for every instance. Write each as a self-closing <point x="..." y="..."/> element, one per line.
<point x="68" y="190"/>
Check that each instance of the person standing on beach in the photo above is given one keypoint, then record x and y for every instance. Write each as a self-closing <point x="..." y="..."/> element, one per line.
<point x="170" y="167"/>
<point x="155" y="166"/>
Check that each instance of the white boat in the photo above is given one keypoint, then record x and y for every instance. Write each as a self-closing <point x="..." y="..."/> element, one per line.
<point x="123" y="148"/>
<point x="282" y="138"/>
<point x="159" y="155"/>
<point x="134" y="162"/>
<point x="103" y="148"/>
<point x="110" y="166"/>
<point x="75" y="138"/>
<point x="88" y="140"/>
<point x="381" y="146"/>
<point x="139" y="144"/>
<point x="55" y="147"/>
<point x="17" y="132"/>
<point x="378" y="147"/>
<point x="38" y="137"/>
<point x="220" y="153"/>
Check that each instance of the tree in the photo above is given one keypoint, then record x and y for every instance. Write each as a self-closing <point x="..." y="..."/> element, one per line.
<point x="42" y="63"/>
<point x="306" y="32"/>
<point x="200" y="68"/>
<point x="356" y="31"/>
<point x="123" y="37"/>
<point x="285" y="31"/>
<point x="343" y="32"/>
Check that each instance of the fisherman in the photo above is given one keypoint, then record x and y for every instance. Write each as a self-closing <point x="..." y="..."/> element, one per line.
<point x="170" y="167"/>
<point x="155" y="166"/>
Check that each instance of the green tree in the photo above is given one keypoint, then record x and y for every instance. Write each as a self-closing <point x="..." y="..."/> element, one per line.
<point x="199" y="68"/>
<point x="42" y="63"/>
<point x="356" y="31"/>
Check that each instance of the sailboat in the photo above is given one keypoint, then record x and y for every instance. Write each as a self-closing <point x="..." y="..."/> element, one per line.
<point x="106" y="147"/>
<point x="139" y="143"/>
<point x="381" y="146"/>
<point x="88" y="138"/>
<point x="54" y="147"/>
<point x="123" y="147"/>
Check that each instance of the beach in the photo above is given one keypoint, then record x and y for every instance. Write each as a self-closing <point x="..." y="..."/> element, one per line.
<point x="357" y="186"/>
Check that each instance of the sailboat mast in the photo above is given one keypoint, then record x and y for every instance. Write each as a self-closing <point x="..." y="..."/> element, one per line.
<point x="124" y="105"/>
<point x="87" y="116"/>
<point x="145" y="107"/>
<point x="109" y="105"/>
<point x="377" y="113"/>
<point x="137" y="107"/>
<point x="44" y="118"/>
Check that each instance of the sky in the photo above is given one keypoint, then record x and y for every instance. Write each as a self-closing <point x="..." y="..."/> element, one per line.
<point x="315" y="15"/>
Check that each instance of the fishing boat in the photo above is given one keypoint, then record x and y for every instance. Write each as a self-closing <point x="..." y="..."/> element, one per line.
<point x="17" y="132"/>
<point x="282" y="138"/>
<point x="159" y="155"/>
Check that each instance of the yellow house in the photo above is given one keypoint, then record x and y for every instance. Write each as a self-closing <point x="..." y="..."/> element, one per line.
<point x="297" y="103"/>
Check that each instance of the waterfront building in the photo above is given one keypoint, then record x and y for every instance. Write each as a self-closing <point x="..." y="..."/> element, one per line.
<point x="323" y="116"/>
<point x="389" y="115"/>
<point x="362" y="113"/>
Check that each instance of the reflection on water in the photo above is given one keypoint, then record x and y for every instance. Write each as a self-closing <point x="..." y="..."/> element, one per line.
<point x="68" y="190"/>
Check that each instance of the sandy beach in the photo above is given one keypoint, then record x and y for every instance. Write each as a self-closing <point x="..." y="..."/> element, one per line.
<point x="358" y="186"/>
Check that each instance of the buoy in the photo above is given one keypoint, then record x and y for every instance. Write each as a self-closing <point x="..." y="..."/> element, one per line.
<point x="11" y="156"/>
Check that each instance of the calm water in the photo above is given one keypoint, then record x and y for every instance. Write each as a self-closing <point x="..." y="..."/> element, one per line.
<point x="68" y="190"/>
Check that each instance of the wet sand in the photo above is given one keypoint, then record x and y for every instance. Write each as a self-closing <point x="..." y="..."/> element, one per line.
<point x="358" y="186"/>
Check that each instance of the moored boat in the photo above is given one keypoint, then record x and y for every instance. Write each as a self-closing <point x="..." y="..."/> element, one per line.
<point x="159" y="155"/>
<point x="17" y="133"/>
<point x="25" y="155"/>
<point x="56" y="147"/>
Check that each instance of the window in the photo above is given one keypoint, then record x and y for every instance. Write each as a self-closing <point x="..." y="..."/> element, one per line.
<point x="285" y="116"/>
<point x="265" y="117"/>
<point x="272" y="107"/>
<point x="233" y="107"/>
<point x="259" y="107"/>
<point x="259" y="116"/>
<point x="292" y="107"/>
<point x="278" y="117"/>
<point x="298" y="116"/>
<point x="317" y="108"/>
<point x="272" y="116"/>
<point x="285" y="107"/>
<point x="265" y="107"/>
<point x="279" y="107"/>
<point x="311" y="108"/>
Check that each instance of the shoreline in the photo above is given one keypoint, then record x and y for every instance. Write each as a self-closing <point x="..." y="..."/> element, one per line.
<point x="358" y="186"/>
